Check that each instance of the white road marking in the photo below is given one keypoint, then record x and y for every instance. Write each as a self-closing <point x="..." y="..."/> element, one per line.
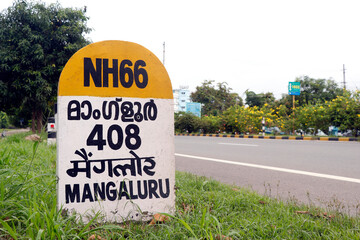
<point x="312" y="174"/>
<point x="240" y="144"/>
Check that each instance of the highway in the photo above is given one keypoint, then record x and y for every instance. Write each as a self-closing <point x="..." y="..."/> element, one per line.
<point x="321" y="173"/>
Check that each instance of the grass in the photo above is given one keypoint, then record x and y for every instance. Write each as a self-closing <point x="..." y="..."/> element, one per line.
<point x="205" y="209"/>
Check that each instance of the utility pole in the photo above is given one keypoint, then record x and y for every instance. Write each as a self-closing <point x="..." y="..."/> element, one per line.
<point x="344" y="77"/>
<point x="164" y="53"/>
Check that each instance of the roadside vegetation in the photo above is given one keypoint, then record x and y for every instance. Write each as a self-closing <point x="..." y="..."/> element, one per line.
<point x="342" y="112"/>
<point x="36" y="41"/>
<point x="205" y="209"/>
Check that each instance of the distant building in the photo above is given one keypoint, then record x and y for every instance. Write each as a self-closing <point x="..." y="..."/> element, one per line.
<point x="181" y="97"/>
<point x="176" y="100"/>
<point x="182" y="102"/>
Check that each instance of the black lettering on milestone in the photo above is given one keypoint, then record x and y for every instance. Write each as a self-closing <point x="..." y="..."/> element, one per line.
<point x="73" y="110"/>
<point x="72" y="195"/>
<point x="89" y="69"/>
<point x="114" y="71"/>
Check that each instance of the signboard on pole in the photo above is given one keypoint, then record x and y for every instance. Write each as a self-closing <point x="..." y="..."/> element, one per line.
<point x="115" y="138"/>
<point x="294" y="88"/>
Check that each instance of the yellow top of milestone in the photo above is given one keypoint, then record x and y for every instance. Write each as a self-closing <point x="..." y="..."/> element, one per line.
<point x="115" y="69"/>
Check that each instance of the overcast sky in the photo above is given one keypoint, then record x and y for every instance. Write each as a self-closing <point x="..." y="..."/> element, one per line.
<point x="259" y="45"/>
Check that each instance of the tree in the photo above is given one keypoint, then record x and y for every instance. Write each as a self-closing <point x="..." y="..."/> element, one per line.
<point x="4" y="120"/>
<point x="345" y="112"/>
<point x="317" y="90"/>
<point x="253" y="99"/>
<point x="313" y="117"/>
<point x="36" y="41"/>
<point x="215" y="100"/>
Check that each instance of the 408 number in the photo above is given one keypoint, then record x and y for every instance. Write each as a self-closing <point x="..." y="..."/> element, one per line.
<point x="132" y="138"/>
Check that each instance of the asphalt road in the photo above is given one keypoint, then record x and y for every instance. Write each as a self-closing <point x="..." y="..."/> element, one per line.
<point x="322" y="173"/>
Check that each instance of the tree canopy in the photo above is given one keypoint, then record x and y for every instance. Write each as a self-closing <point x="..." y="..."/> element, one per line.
<point x="313" y="90"/>
<point x="253" y="99"/>
<point x="215" y="100"/>
<point x="36" y="41"/>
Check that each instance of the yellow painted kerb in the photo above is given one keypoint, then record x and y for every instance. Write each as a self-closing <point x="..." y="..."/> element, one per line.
<point x="71" y="81"/>
<point x="344" y="139"/>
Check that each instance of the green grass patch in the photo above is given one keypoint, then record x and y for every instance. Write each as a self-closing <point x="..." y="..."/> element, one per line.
<point x="205" y="209"/>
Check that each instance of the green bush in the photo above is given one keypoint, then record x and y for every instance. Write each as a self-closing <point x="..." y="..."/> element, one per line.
<point x="210" y="124"/>
<point x="186" y="122"/>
